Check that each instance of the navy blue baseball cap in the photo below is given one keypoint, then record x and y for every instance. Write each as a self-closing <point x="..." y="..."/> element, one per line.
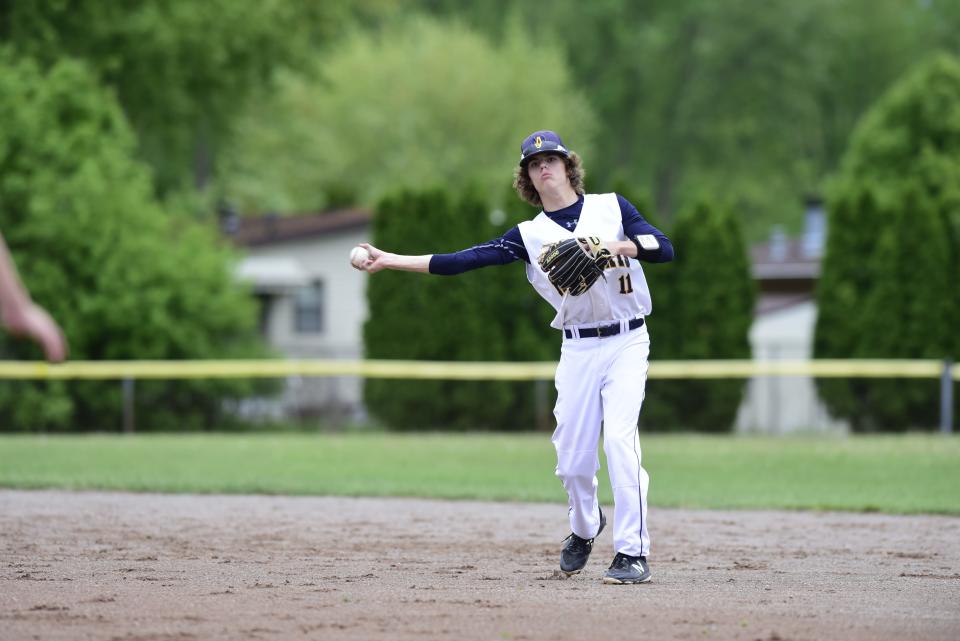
<point x="540" y="142"/>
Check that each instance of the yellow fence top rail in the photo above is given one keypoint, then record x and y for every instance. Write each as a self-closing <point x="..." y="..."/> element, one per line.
<point x="459" y="370"/>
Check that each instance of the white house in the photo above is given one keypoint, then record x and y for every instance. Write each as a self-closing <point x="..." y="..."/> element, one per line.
<point x="786" y="271"/>
<point x="313" y="305"/>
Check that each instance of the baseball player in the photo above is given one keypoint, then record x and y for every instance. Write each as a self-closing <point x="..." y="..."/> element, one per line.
<point x="583" y="254"/>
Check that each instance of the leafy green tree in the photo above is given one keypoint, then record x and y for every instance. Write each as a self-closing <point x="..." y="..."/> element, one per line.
<point x="125" y="279"/>
<point x="697" y="97"/>
<point x="419" y="102"/>
<point x="180" y="69"/>
<point x="891" y="269"/>
<point x="942" y="23"/>
<point x="703" y="309"/>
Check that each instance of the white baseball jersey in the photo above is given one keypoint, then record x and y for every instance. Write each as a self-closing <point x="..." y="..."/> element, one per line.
<point x="621" y="294"/>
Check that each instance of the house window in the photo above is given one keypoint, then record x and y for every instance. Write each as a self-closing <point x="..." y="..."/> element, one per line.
<point x="264" y="305"/>
<point x="309" y="313"/>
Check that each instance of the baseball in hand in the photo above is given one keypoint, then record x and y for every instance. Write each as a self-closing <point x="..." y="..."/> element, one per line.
<point x="358" y="257"/>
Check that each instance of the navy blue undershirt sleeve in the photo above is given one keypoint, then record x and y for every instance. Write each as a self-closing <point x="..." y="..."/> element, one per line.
<point x="634" y="224"/>
<point x="499" y="251"/>
<point x="509" y="247"/>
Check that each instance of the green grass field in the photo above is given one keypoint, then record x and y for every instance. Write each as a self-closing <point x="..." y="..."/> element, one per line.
<point x="900" y="474"/>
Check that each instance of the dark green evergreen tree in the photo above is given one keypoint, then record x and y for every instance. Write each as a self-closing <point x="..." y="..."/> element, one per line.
<point x="890" y="273"/>
<point x="429" y="317"/>
<point x="703" y="309"/>
<point x="660" y="404"/>
<point x="840" y="289"/>
<point x="524" y="320"/>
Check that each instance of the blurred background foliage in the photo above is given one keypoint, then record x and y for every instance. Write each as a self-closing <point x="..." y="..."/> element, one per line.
<point x="125" y="280"/>
<point x="412" y="317"/>
<point x="259" y="102"/>
<point x="703" y="308"/>
<point x="125" y="125"/>
<point x="891" y="273"/>
<point x="416" y="102"/>
<point x="752" y="100"/>
<point x="180" y="69"/>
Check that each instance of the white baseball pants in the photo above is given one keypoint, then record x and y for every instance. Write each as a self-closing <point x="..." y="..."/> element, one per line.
<point x="602" y="380"/>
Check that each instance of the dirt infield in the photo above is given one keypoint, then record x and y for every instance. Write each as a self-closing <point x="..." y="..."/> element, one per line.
<point x="164" y="567"/>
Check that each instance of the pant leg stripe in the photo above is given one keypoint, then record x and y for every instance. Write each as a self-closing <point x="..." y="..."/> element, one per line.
<point x="639" y="487"/>
<point x="637" y="454"/>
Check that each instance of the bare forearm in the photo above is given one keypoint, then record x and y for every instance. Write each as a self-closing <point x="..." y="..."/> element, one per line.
<point x="20" y="315"/>
<point x="13" y="297"/>
<point x="403" y="263"/>
<point x="380" y="260"/>
<point x="653" y="249"/>
<point x="622" y="248"/>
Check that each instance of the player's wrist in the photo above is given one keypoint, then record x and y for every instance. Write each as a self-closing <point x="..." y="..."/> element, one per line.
<point x="645" y="243"/>
<point x="622" y="248"/>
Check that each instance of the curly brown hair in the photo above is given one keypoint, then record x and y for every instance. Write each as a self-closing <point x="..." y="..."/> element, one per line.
<point x="524" y="186"/>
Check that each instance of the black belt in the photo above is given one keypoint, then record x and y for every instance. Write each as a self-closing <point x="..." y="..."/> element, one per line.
<point x="604" y="330"/>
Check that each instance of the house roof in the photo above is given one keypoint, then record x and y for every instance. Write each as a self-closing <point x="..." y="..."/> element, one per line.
<point x="785" y="259"/>
<point x="769" y="303"/>
<point x="251" y="231"/>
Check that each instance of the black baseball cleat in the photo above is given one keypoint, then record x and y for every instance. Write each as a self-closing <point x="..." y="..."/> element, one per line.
<point x="576" y="551"/>
<point x="627" y="569"/>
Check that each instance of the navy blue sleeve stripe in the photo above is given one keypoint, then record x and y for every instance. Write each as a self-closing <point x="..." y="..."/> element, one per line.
<point x="514" y="241"/>
<point x="499" y="251"/>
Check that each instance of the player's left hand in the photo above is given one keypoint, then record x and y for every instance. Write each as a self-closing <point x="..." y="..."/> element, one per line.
<point x="573" y="265"/>
<point x="598" y="250"/>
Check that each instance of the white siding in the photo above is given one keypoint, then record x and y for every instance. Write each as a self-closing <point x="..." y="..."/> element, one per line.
<point x="788" y="403"/>
<point x="324" y="258"/>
